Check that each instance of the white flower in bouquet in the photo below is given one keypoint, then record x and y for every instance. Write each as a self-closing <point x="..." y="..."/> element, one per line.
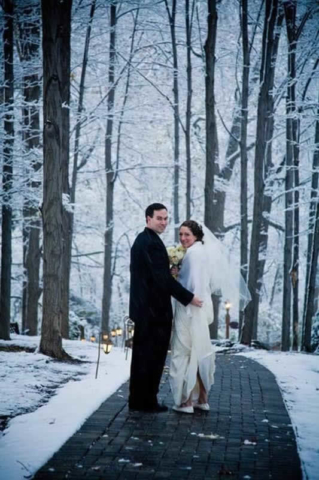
<point x="176" y="255"/>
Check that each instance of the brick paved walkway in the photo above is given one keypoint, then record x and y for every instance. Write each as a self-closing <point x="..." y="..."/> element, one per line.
<point x="246" y="435"/>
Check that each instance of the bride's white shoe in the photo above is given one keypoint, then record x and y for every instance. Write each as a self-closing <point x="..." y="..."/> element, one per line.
<point x="202" y="406"/>
<point x="183" y="409"/>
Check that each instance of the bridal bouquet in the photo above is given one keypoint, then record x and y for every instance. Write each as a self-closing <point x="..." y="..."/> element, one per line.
<point x="176" y="255"/>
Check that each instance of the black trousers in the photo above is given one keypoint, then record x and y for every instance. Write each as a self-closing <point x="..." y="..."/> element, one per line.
<point x="150" y="345"/>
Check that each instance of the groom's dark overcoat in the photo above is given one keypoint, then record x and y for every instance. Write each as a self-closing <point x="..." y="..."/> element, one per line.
<point x="152" y="286"/>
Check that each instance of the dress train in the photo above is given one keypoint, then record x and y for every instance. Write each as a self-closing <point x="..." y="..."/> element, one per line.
<point x="192" y="352"/>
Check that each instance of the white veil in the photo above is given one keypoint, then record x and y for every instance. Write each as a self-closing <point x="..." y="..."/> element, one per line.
<point x="225" y="278"/>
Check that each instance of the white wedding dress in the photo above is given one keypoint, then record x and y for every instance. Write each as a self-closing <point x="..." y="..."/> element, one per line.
<point x="192" y="351"/>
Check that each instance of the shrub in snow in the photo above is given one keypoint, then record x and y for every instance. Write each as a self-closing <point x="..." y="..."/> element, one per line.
<point x="83" y="314"/>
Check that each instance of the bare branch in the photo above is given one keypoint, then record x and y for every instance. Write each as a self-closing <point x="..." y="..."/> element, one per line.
<point x="227" y="130"/>
<point x="237" y="225"/>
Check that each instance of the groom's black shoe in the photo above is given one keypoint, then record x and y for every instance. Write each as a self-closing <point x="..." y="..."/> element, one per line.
<point x="159" y="408"/>
<point x="153" y="408"/>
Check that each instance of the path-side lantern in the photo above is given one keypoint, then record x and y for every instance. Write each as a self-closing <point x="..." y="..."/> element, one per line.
<point x="227" y="306"/>
<point x="119" y="331"/>
<point x="129" y="327"/>
<point x="113" y="332"/>
<point x="227" y="317"/>
<point x="107" y="346"/>
<point x="128" y="334"/>
<point x="92" y="338"/>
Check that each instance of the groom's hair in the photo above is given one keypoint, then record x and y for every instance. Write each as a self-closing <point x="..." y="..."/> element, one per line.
<point x="149" y="212"/>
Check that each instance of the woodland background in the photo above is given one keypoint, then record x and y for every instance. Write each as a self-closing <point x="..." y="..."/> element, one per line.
<point x="210" y="107"/>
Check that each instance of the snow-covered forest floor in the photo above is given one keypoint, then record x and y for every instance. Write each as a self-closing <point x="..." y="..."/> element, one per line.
<point x="45" y="401"/>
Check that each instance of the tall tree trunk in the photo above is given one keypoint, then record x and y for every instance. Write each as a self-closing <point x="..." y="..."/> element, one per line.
<point x="172" y="18"/>
<point x="262" y="160"/>
<point x="268" y="168"/>
<point x="309" y="312"/>
<point x="211" y="134"/>
<point x="295" y="257"/>
<point x="291" y="267"/>
<point x="288" y="246"/>
<point x="7" y="172"/>
<point x="29" y="28"/>
<point x="210" y="107"/>
<point x="188" y="22"/>
<point x="243" y="149"/>
<point x="53" y="27"/>
<point x="109" y="174"/>
<point x="312" y="206"/>
<point x="223" y="177"/>
<point x="312" y="251"/>
<point x="66" y="213"/>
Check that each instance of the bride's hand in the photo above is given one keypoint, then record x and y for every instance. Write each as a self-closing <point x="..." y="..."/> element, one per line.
<point x="174" y="271"/>
<point x="197" y="301"/>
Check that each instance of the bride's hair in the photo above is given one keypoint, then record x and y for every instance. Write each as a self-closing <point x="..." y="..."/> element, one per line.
<point x="195" y="228"/>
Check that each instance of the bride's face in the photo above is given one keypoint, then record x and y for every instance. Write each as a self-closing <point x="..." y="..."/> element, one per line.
<point x="186" y="236"/>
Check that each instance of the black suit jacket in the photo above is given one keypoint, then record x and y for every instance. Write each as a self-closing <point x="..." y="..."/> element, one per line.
<point x="152" y="284"/>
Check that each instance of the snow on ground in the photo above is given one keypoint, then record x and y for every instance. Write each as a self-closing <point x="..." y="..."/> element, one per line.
<point x="27" y="383"/>
<point x="297" y="375"/>
<point x="59" y="397"/>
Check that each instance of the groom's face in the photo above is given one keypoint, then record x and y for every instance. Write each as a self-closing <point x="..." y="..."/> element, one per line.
<point x="158" y="222"/>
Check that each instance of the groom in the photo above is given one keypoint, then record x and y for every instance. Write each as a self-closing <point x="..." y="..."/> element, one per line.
<point x="152" y="286"/>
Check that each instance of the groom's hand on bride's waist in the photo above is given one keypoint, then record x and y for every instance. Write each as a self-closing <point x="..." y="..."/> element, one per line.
<point x="197" y="301"/>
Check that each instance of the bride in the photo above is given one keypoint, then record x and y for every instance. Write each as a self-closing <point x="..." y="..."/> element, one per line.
<point x="205" y="270"/>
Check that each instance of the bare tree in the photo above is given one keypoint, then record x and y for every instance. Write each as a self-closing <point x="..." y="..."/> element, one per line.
<point x="29" y="46"/>
<point x="212" y="151"/>
<point x="262" y="166"/>
<point x="7" y="173"/>
<point x="112" y="168"/>
<point x="223" y="175"/>
<point x="210" y="105"/>
<point x="217" y="196"/>
<point x="109" y="173"/>
<point x="291" y="241"/>
<point x="269" y="178"/>
<point x="243" y="147"/>
<point x="188" y="30"/>
<point x="172" y="21"/>
<point x="233" y="151"/>
<point x="53" y="28"/>
<point x="66" y="213"/>
<point x="312" y="253"/>
<point x="80" y="107"/>
<point x="291" y="252"/>
<point x="70" y="192"/>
